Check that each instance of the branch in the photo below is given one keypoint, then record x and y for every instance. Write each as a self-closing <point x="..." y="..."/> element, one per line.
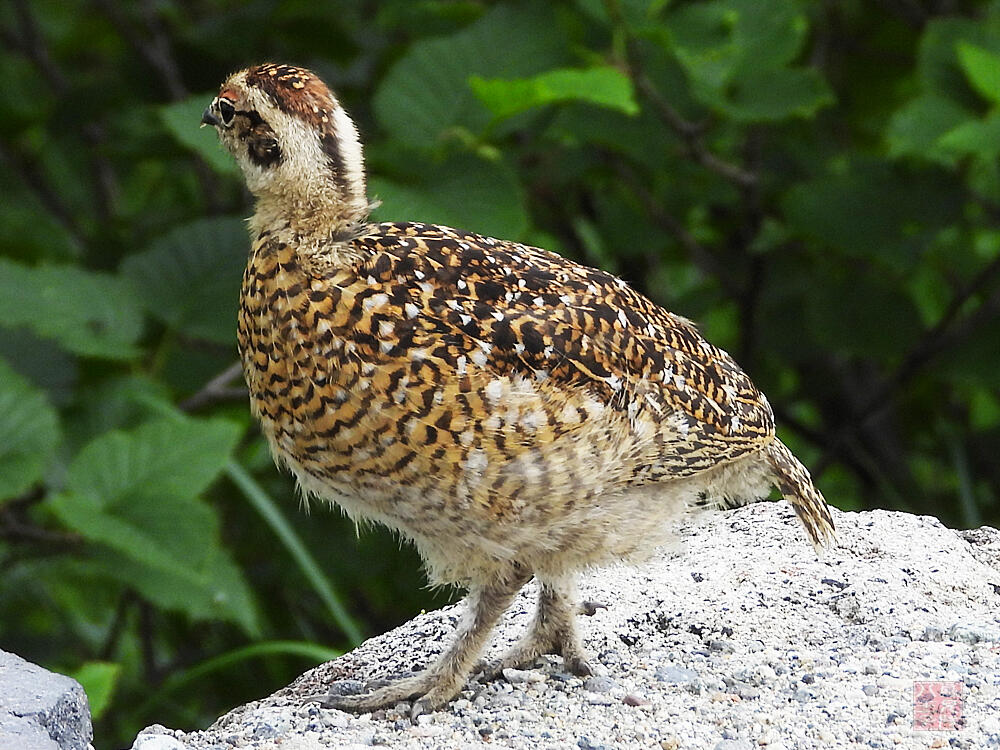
<point x="215" y="390"/>
<point x="32" y="45"/>
<point x="37" y="183"/>
<point x="700" y="256"/>
<point x="154" y="49"/>
<point x="752" y="220"/>
<point x="949" y="330"/>
<point x="14" y="529"/>
<point x="689" y="132"/>
<point x="909" y="12"/>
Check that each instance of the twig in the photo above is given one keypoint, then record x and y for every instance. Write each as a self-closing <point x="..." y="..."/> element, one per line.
<point x="946" y="332"/>
<point x="819" y="438"/>
<point x="754" y="275"/>
<point x="154" y="48"/>
<point x="908" y="11"/>
<point x="118" y="622"/>
<point x="215" y="390"/>
<point x="32" y="177"/>
<point x="32" y="45"/>
<point x="689" y="132"/>
<point x="15" y="529"/>
<point x="147" y="642"/>
<point x="699" y="255"/>
<point x="34" y="48"/>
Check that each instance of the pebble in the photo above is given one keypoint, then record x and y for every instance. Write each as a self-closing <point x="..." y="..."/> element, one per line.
<point x="599" y="684"/>
<point x="523" y="675"/>
<point x="675" y="675"/>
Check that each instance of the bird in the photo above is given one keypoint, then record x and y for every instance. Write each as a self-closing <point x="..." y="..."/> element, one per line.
<point x="513" y="413"/>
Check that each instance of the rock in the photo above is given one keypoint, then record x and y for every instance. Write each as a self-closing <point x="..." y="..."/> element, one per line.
<point x="599" y="684"/>
<point x="740" y="621"/>
<point x="675" y="675"/>
<point x="41" y="710"/>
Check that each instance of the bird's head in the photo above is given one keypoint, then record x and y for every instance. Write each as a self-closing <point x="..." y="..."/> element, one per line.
<point x="297" y="147"/>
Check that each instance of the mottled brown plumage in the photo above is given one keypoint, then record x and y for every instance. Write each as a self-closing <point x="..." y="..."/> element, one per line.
<point x="512" y="412"/>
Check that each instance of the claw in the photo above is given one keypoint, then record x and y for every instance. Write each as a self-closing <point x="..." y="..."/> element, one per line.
<point x="590" y="608"/>
<point x="489" y="669"/>
<point x="578" y="665"/>
<point x="419" y="708"/>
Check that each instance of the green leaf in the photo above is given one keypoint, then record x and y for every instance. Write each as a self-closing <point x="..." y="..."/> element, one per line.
<point x="313" y="652"/>
<point x="30" y="429"/>
<point x="721" y="40"/>
<point x="89" y="313"/>
<point x="30" y="231"/>
<point x="114" y="403"/>
<point x="873" y="212"/>
<point x="984" y="409"/>
<point x="938" y="65"/>
<point x="982" y="68"/>
<point x="916" y="127"/>
<point x="42" y="361"/>
<point x="735" y="53"/>
<point x="268" y="509"/>
<point x="178" y="457"/>
<point x="604" y="87"/>
<point x="465" y="192"/>
<point x="771" y="95"/>
<point x="844" y="308"/>
<point x="190" y="277"/>
<point x="134" y="493"/>
<point x="165" y="547"/>
<point x="98" y="679"/>
<point x="183" y="121"/>
<point x="426" y="93"/>
<point x="974" y="137"/>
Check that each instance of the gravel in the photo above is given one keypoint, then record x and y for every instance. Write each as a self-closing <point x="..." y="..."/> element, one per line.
<point x="737" y="638"/>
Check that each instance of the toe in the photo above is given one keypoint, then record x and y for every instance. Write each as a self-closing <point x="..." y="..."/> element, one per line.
<point x="435" y="699"/>
<point x="419" y="708"/>
<point x="578" y="665"/>
<point x="489" y="669"/>
<point x="349" y="703"/>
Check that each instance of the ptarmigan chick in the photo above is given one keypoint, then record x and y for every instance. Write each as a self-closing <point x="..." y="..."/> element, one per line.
<point x="512" y="412"/>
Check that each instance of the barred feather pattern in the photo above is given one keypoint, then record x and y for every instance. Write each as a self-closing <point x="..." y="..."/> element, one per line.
<point x="496" y="402"/>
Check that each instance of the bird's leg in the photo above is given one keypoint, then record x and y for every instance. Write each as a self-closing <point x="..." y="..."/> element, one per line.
<point x="553" y="631"/>
<point x="440" y="682"/>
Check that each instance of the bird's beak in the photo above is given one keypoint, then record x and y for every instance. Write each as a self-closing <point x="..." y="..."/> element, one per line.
<point x="209" y="118"/>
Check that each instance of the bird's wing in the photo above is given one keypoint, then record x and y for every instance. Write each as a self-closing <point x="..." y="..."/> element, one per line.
<point x="492" y="308"/>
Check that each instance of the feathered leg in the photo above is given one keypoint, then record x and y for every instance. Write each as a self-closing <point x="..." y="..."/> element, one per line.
<point x="442" y="681"/>
<point x="552" y="631"/>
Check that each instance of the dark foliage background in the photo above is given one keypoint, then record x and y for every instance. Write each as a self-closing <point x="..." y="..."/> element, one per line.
<point x="815" y="183"/>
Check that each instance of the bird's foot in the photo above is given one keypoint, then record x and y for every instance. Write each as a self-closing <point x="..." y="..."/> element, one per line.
<point x="425" y="689"/>
<point x="528" y="649"/>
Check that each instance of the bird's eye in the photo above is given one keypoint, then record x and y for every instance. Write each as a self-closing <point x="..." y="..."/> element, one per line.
<point x="226" y="111"/>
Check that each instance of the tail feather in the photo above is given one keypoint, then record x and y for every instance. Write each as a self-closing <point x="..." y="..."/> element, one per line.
<point x="794" y="482"/>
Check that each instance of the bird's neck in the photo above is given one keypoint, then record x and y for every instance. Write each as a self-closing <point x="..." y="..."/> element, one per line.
<point x="315" y="216"/>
